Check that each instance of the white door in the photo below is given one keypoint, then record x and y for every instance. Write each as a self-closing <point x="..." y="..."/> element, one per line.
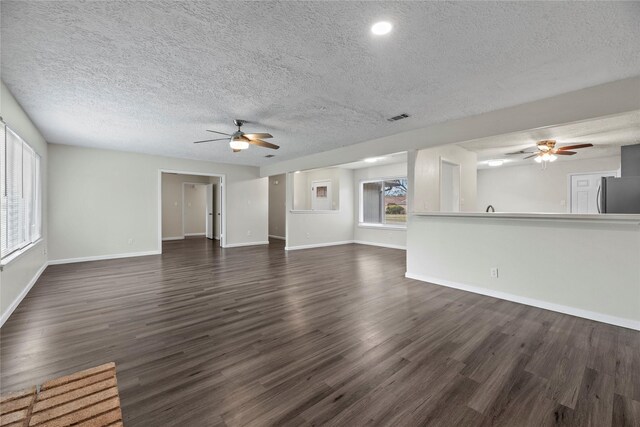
<point x="585" y="192"/>
<point x="321" y="196"/>
<point x="449" y="187"/>
<point x="210" y="212"/>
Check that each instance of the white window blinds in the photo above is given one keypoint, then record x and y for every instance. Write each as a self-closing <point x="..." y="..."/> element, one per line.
<point x="20" y="215"/>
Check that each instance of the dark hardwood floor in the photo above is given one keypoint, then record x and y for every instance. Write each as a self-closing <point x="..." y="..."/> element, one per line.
<point x="337" y="336"/>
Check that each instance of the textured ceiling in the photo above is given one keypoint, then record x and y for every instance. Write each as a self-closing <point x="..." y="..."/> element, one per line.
<point x="607" y="135"/>
<point x="152" y="76"/>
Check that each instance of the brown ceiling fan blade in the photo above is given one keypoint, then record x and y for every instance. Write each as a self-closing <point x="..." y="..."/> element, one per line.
<point x="515" y="153"/>
<point x="221" y="133"/>
<point x="258" y="135"/>
<point x="533" y="155"/>
<point x="574" y="147"/>
<point x="209" y="140"/>
<point x="565" y="153"/>
<point x="262" y="143"/>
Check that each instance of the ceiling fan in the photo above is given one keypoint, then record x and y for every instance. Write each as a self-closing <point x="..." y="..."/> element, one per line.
<point x="546" y="150"/>
<point x="239" y="140"/>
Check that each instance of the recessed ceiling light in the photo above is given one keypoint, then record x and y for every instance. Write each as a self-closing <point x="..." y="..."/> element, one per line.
<point x="381" y="28"/>
<point x="297" y="172"/>
<point x="495" y="163"/>
<point x="373" y="159"/>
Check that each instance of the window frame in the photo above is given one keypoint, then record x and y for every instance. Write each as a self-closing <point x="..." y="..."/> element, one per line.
<point x="375" y="225"/>
<point x="32" y="221"/>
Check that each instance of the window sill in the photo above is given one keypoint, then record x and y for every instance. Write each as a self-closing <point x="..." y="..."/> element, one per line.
<point x="383" y="226"/>
<point x="6" y="260"/>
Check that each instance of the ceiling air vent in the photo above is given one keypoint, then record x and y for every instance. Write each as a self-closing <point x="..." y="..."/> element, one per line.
<point x="400" y="117"/>
<point x="268" y="156"/>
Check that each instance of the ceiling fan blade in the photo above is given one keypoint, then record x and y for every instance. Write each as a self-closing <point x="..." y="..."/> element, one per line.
<point x="574" y="147"/>
<point x="565" y="153"/>
<point x="520" y="152"/>
<point x="533" y="155"/>
<point x="235" y="150"/>
<point x="258" y="135"/>
<point x="221" y="133"/>
<point x="262" y="143"/>
<point x="209" y="140"/>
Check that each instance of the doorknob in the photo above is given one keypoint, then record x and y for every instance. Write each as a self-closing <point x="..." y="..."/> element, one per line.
<point x="210" y="213"/>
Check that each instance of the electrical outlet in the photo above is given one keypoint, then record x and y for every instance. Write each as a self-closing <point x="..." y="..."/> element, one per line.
<point x="130" y="241"/>
<point x="248" y="232"/>
<point x="494" y="272"/>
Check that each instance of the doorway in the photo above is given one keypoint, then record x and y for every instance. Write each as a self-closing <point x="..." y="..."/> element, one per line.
<point x="191" y="205"/>
<point x="449" y="186"/>
<point x="277" y="207"/>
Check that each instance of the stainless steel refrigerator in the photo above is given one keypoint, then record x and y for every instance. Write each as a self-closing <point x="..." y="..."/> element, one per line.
<point x="620" y="195"/>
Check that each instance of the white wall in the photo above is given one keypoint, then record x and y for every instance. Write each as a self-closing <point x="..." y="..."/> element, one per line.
<point x="391" y="237"/>
<point x="317" y="228"/>
<point x="17" y="277"/>
<point x="303" y="180"/>
<point x="588" y="268"/>
<point x="172" y="203"/>
<point x="426" y="190"/>
<point x="277" y="205"/>
<point x="101" y="200"/>
<point x="529" y="188"/>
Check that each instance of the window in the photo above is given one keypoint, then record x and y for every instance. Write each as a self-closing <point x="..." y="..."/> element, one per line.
<point x="384" y="202"/>
<point x="20" y="208"/>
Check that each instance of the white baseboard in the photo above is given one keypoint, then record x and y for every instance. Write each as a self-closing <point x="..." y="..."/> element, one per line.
<point x="164" y="239"/>
<point x="237" y="245"/>
<point x="578" y="312"/>
<point x="382" y="245"/>
<point x="194" y="234"/>
<point x="273" y="236"/>
<point x="317" y="245"/>
<point x="101" y="257"/>
<point x="23" y="294"/>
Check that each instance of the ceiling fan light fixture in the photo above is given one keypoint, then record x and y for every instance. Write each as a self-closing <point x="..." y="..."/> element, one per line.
<point x="381" y="28"/>
<point x="538" y="159"/>
<point x="237" y="143"/>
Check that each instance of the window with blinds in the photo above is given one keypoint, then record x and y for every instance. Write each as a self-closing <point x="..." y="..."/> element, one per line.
<point x="20" y="207"/>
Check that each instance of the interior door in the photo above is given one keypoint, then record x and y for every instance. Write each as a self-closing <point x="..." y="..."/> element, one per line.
<point x="321" y="199"/>
<point x="585" y="192"/>
<point x="210" y="212"/>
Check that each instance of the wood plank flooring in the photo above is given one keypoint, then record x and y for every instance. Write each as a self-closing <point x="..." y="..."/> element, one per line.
<point x="331" y="336"/>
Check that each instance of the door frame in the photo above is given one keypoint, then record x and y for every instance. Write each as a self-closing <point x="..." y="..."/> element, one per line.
<point x="572" y="174"/>
<point x="222" y="198"/>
